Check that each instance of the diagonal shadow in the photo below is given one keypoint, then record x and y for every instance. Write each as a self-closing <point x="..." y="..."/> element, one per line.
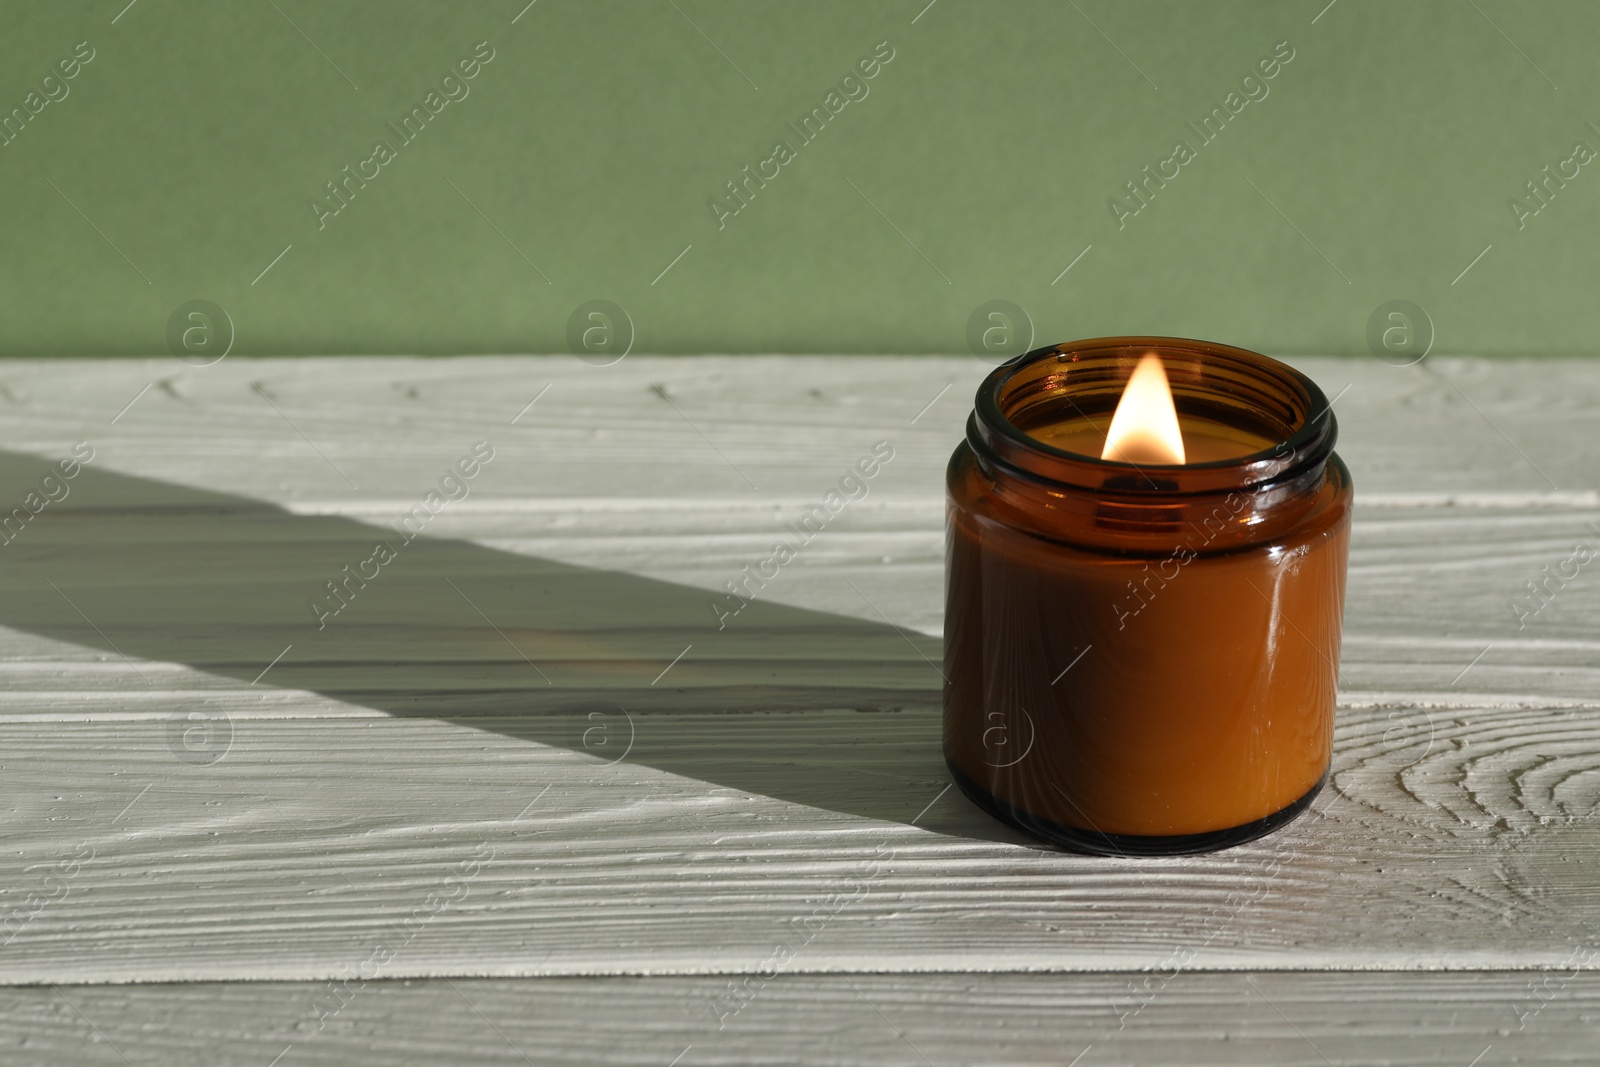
<point x="518" y="645"/>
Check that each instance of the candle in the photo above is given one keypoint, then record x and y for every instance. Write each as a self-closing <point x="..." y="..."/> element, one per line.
<point x="1147" y="546"/>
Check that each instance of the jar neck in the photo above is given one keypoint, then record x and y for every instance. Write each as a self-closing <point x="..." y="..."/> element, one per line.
<point x="1211" y="506"/>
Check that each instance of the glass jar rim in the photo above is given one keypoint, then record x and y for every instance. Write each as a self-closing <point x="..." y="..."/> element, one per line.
<point x="995" y="437"/>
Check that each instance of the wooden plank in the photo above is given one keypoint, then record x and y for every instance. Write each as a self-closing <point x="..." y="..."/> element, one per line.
<point x="1452" y="841"/>
<point x="200" y="598"/>
<point x="1282" y="1020"/>
<point x="688" y="426"/>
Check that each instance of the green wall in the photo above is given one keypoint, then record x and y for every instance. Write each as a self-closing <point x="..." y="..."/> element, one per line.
<point x="1383" y="157"/>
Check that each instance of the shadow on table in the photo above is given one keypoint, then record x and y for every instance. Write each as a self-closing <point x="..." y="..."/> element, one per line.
<point x="564" y="655"/>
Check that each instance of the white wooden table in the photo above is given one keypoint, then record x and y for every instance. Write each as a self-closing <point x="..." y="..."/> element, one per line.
<point x="521" y="801"/>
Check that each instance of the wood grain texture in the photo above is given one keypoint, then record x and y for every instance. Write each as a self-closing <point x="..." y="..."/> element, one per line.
<point x="684" y="428"/>
<point x="700" y="793"/>
<point x="1282" y="1020"/>
<point x="1447" y="840"/>
<point x="599" y="598"/>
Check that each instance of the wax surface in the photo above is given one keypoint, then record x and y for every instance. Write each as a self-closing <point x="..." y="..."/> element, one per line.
<point x="1173" y="695"/>
<point x="1204" y="441"/>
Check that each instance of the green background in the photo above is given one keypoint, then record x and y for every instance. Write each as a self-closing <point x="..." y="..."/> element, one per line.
<point x="979" y="167"/>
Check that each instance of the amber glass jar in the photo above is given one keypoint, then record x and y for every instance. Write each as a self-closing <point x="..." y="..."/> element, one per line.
<point x="1144" y="659"/>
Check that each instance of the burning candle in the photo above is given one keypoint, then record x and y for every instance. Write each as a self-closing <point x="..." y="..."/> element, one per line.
<point x="1147" y="546"/>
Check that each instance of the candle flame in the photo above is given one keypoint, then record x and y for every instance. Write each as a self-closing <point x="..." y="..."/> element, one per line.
<point x="1145" y="426"/>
